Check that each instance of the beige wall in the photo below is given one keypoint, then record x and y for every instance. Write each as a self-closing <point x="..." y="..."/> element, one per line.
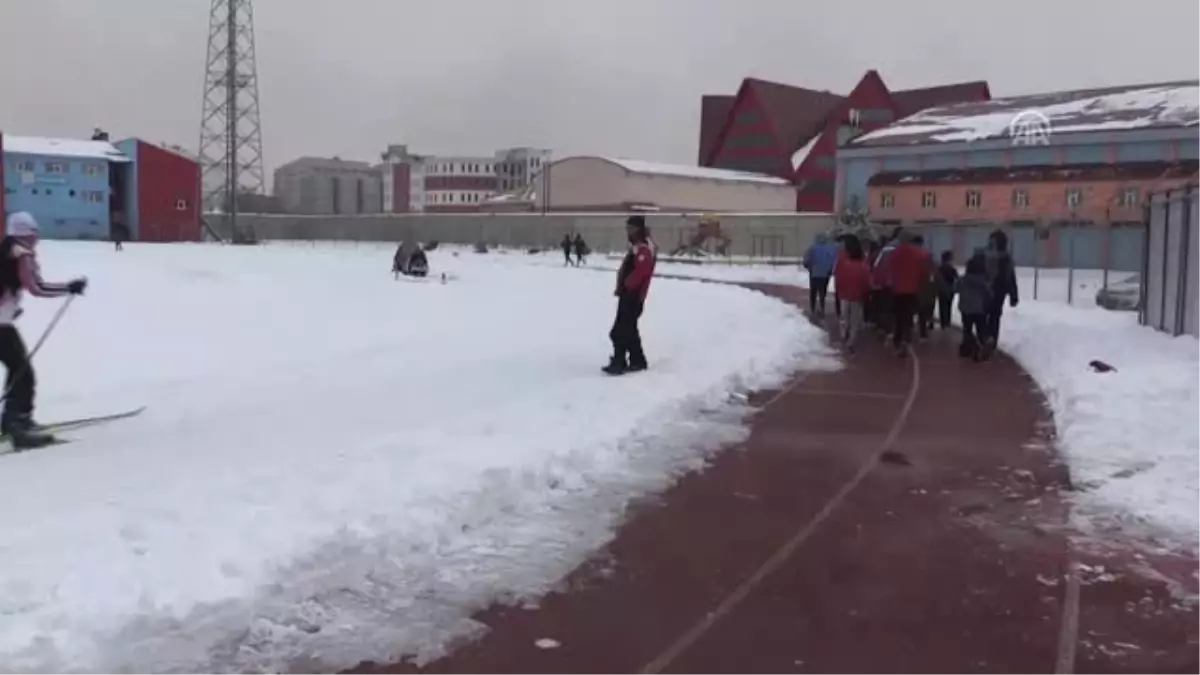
<point x="593" y="183"/>
<point x="758" y="235"/>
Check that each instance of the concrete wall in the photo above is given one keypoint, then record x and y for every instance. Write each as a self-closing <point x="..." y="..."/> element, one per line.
<point x="760" y="235"/>
<point x="586" y="183"/>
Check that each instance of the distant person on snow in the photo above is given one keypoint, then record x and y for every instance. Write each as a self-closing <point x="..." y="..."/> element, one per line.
<point x="567" y="245"/>
<point x="581" y="249"/>
<point x="398" y="261"/>
<point x="120" y="234"/>
<point x="819" y="260"/>
<point x="1003" y="275"/>
<point x="19" y="272"/>
<point x="974" y="299"/>
<point x="633" y="284"/>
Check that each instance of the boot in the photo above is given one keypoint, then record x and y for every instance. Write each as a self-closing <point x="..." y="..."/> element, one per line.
<point x="23" y="433"/>
<point x="616" y="366"/>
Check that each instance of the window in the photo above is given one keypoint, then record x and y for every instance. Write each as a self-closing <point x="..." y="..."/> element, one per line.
<point x="974" y="199"/>
<point x="25" y="167"/>
<point x="93" y="197"/>
<point x="91" y="170"/>
<point x="181" y="205"/>
<point x="1130" y="197"/>
<point x="854" y="117"/>
<point x="56" y="167"/>
<point x="1074" y="198"/>
<point x="928" y="200"/>
<point x="1020" y="198"/>
<point x="887" y="200"/>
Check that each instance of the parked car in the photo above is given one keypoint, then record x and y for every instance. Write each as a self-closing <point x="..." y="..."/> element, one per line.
<point x="1122" y="295"/>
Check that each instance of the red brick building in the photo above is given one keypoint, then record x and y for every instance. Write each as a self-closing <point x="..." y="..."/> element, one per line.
<point x="793" y="132"/>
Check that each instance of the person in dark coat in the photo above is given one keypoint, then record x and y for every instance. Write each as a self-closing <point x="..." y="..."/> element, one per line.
<point x="1002" y="273"/>
<point x="947" y="286"/>
<point x="581" y="249"/>
<point x="399" y="260"/>
<point x="927" y="296"/>
<point x="974" y="301"/>
<point x="567" y="245"/>
<point x="633" y="284"/>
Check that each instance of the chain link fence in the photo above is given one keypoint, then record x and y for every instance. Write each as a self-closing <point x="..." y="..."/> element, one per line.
<point x="1075" y="262"/>
<point x="1168" y="298"/>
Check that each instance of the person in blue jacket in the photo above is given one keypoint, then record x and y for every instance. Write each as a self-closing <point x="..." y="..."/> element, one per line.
<point x="819" y="260"/>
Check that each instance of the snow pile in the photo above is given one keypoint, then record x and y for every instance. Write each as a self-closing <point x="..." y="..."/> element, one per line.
<point x="337" y="466"/>
<point x="1130" y="437"/>
<point x="684" y="171"/>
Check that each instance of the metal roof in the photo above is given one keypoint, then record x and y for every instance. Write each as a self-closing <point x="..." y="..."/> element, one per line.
<point x="1129" y="107"/>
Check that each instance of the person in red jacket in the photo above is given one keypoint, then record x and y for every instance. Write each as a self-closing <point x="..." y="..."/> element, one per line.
<point x="853" y="282"/>
<point x="908" y="269"/>
<point x="633" y="284"/>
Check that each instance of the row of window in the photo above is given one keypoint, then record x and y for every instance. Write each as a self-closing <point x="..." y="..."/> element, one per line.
<point x="487" y="168"/>
<point x="89" y="196"/>
<point x="29" y="166"/>
<point x="456" y="197"/>
<point x="1073" y="198"/>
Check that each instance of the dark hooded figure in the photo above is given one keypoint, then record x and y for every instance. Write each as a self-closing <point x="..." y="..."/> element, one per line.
<point x="1002" y="274"/>
<point x="633" y="283"/>
<point x="566" y="245"/>
<point x="581" y="249"/>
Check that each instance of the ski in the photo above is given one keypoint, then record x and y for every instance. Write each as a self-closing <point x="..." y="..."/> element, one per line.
<point x="6" y="446"/>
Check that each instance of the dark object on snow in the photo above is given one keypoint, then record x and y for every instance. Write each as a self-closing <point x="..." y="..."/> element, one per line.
<point x="431" y="245"/>
<point x="413" y="264"/>
<point x="895" y="458"/>
<point x="481" y="247"/>
<point x="534" y="251"/>
<point x="1101" y="367"/>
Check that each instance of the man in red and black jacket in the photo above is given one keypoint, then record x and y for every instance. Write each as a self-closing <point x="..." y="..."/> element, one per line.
<point x="633" y="284"/>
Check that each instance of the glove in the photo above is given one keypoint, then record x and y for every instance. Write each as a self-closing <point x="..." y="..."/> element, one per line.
<point x="77" y="286"/>
<point x="1012" y="302"/>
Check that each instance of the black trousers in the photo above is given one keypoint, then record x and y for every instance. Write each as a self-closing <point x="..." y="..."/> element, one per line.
<point x="992" y="327"/>
<point x="625" y="336"/>
<point x="974" y="330"/>
<point x="945" y="307"/>
<point x="904" y="309"/>
<point x="567" y="256"/>
<point x="20" y="382"/>
<point x="925" y="315"/>
<point x="818" y="289"/>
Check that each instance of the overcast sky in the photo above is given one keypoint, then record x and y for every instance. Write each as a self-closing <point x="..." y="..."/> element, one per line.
<point x="619" y="77"/>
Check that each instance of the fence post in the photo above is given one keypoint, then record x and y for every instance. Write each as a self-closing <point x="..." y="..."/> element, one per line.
<point x="1107" y="260"/>
<point x="1038" y="246"/>
<point x="1162" y="289"/>
<point x="1143" y="291"/>
<point x="1071" y="262"/>
<point x="1181" y="285"/>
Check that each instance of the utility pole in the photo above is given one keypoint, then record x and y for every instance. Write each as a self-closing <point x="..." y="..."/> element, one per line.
<point x="231" y="157"/>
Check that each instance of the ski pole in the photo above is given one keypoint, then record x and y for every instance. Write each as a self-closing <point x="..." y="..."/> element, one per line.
<point x="62" y="310"/>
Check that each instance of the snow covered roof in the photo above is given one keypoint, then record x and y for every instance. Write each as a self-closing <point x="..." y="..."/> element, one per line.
<point x="1152" y="106"/>
<point x="800" y="155"/>
<point x="63" y="147"/>
<point x="684" y="171"/>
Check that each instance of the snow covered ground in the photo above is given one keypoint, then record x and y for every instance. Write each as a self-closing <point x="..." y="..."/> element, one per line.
<point x="336" y="465"/>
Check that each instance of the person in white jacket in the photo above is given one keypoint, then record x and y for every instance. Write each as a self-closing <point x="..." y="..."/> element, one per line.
<point x="20" y="273"/>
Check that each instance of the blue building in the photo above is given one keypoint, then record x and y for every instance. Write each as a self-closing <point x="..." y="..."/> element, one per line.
<point x="1079" y="163"/>
<point x="72" y="187"/>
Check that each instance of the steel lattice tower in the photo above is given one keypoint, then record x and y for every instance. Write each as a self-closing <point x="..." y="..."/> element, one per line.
<point x="231" y="156"/>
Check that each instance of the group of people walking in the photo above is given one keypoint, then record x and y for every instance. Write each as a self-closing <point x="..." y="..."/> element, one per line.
<point x="574" y="245"/>
<point x="894" y="285"/>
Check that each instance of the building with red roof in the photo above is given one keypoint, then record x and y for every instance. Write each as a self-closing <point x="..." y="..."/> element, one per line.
<point x="793" y="132"/>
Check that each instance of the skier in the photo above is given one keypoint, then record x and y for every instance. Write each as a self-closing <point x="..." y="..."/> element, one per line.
<point x="633" y="283"/>
<point x="19" y="272"/>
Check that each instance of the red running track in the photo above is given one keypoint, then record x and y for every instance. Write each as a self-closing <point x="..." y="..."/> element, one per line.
<point x="799" y="551"/>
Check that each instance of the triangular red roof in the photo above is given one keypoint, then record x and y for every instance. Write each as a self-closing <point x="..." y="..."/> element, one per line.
<point x="713" y="111"/>
<point x="795" y="113"/>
